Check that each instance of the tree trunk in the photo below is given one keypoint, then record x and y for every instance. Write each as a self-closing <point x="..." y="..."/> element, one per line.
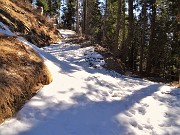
<point x="123" y="23"/>
<point x="85" y="20"/>
<point x="152" y="35"/>
<point x="116" y="47"/>
<point x="130" y="33"/>
<point x="104" y="24"/>
<point x="84" y="16"/>
<point x="144" y="17"/>
<point x="77" y="17"/>
<point x="123" y="26"/>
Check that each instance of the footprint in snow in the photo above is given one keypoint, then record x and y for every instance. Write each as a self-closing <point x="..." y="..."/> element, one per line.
<point x="168" y="115"/>
<point x="167" y="124"/>
<point x="148" y="127"/>
<point x="144" y="104"/>
<point x="132" y="111"/>
<point x="136" y="125"/>
<point x="142" y="110"/>
<point x="128" y="114"/>
<point x="133" y="123"/>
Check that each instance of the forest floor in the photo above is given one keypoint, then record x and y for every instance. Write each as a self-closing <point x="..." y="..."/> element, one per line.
<point x="86" y="99"/>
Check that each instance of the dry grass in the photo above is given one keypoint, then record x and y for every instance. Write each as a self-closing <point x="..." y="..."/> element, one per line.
<point x="23" y="19"/>
<point x="22" y="73"/>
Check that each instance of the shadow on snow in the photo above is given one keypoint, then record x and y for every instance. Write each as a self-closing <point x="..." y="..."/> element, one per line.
<point x="89" y="117"/>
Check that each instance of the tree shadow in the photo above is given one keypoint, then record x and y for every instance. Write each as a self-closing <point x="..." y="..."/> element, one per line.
<point x="172" y="116"/>
<point x="89" y="117"/>
<point x="63" y="66"/>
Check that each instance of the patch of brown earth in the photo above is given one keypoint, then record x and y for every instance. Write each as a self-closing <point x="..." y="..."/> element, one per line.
<point x="22" y="73"/>
<point x="174" y="84"/>
<point x="112" y="63"/>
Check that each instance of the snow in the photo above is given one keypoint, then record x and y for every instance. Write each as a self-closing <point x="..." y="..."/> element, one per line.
<point x="86" y="100"/>
<point x="94" y="59"/>
<point x="5" y="30"/>
<point x="67" y="33"/>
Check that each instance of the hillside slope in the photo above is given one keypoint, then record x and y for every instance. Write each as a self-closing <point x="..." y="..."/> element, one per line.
<point x="22" y="73"/>
<point x="25" y="21"/>
<point x="22" y="70"/>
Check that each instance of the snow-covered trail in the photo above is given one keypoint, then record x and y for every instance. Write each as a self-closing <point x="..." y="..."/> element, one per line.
<point x="83" y="100"/>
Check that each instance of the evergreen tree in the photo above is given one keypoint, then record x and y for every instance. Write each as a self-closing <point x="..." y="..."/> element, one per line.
<point x="92" y="19"/>
<point x="54" y="7"/>
<point x="95" y="20"/>
<point x="143" y="19"/>
<point x="68" y="16"/>
<point x="42" y="3"/>
<point x="116" y="47"/>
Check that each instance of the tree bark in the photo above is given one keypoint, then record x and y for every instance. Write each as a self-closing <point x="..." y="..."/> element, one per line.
<point x="123" y="23"/>
<point x="104" y="23"/>
<point x="152" y="36"/>
<point x="118" y="24"/>
<point x="130" y="33"/>
<point x="85" y="24"/>
<point x="84" y="16"/>
<point x="144" y="18"/>
<point x="77" y="17"/>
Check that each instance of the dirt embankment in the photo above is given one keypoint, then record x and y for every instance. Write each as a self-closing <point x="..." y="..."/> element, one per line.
<point x="22" y="70"/>
<point x="22" y="73"/>
<point x="25" y="21"/>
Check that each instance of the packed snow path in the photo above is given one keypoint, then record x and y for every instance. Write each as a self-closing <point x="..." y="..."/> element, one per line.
<point x="83" y="100"/>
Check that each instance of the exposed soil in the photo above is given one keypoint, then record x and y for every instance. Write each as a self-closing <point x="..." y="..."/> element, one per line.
<point x="112" y="63"/>
<point x="22" y="73"/>
<point x="24" y="20"/>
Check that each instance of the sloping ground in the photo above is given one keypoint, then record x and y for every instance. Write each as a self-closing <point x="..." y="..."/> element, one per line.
<point x="24" y="20"/>
<point x="22" y="73"/>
